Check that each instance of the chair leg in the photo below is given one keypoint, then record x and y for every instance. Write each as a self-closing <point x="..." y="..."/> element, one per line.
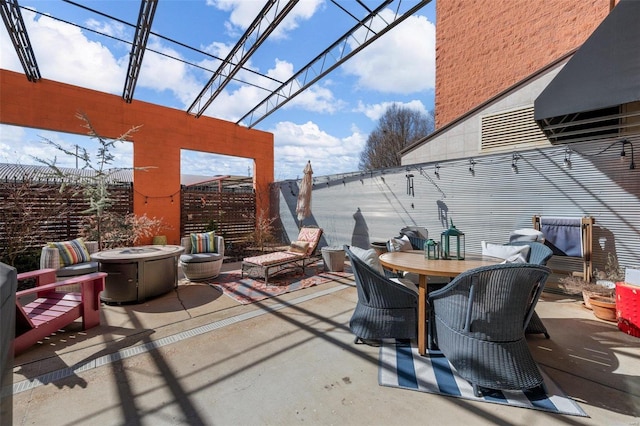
<point x="476" y="390"/>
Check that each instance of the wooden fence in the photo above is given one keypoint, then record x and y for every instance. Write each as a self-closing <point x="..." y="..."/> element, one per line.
<point x="232" y="214"/>
<point x="53" y="215"/>
<point x="49" y="213"/>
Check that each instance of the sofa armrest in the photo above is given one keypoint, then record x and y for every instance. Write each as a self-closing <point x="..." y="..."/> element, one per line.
<point x="220" y="245"/>
<point x="186" y="243"/>
<point x="92" y="246"/>
<point x="49" y="258"/>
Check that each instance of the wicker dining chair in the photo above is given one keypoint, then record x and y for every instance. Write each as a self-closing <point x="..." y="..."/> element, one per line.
<point x="385" y="309"/>
<point x="478" y="323"/>
<point x="539" y="254"/>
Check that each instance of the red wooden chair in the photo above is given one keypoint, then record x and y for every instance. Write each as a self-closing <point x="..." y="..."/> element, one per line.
<point x="52" y="310"/>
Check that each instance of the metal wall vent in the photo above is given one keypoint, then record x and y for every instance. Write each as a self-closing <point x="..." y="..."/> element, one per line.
<point x="509" y="130"/>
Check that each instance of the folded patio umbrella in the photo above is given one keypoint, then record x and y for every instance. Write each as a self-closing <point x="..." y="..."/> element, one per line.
<point x="303" y="207"/>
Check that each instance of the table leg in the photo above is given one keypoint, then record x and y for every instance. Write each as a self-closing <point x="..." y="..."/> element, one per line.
<point x="422" y="314"/>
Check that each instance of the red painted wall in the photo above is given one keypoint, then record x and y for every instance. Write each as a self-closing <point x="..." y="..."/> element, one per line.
<point x="53" y="106"/>
<point x="484" y="47"/>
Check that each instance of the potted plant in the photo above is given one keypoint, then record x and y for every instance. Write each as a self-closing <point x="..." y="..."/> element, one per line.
<point x="612" y="273"/>
<point x="599" y="298"/>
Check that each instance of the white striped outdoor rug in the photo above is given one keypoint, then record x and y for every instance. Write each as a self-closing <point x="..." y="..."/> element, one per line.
<point x="401" y="366"/>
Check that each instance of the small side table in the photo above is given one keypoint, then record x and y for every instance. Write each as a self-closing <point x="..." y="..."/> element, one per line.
<point x="333" y="258"/>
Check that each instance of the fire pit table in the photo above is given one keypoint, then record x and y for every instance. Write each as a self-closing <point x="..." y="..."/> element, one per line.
<point x="138" y="273"/>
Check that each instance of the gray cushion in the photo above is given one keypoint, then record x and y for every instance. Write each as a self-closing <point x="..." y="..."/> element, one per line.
<point x="77" y="269"/>
<point x="200" y="257"/>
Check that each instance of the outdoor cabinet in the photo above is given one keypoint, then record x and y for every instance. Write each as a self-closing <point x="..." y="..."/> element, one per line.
<point x="121" y="284"/>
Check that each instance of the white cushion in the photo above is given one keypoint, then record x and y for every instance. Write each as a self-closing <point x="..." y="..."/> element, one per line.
<point x="399" y="244"/>
<point x="370" y="257"/>
<point x="511" y="254"/>
<point x="407" y="283"/>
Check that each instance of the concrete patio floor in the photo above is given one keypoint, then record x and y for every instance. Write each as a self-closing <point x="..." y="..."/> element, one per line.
<point x="196" y="357"/>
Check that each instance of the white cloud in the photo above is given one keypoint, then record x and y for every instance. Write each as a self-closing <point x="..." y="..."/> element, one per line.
<point x="232" y="103"/>
<point x="84" y="63"/>
<point x="114" y="29"/>
<point x="317" y="99"/>
<point x="160" y="73"/>
<point x="295" y="144"/>
<point x="244" y="12"/>
<point x="375" y="111"/>
<point x="401" y="61"/>
<point x="207" y="164"/>
<point x="23" y="145"/>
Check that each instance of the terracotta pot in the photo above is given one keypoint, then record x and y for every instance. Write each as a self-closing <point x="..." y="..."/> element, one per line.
<point x="603" y="307"/>
<point x="585" y="296"/>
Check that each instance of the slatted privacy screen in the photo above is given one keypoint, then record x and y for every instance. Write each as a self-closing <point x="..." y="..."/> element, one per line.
<point x="51" y="214"/>
<point x="232" y="212"/>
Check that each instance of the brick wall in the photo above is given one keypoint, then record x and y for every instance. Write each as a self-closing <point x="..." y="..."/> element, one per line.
<point x="484" y="47"/>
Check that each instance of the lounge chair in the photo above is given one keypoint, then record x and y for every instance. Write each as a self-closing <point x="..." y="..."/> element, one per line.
<point x="300" y="253"/>
<point x="478" y="322"/>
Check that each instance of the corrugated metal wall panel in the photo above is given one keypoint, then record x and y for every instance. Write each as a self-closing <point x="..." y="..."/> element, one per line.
<point x="490" y="203"/>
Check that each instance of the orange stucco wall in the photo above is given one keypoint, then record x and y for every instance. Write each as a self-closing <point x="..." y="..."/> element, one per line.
<point x="53" y="106"/>
<point x="484" y="47"/>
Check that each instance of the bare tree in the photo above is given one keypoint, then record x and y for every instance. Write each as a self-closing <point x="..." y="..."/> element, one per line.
<point x="397" y="128"/>
<point x="95" y="186"/>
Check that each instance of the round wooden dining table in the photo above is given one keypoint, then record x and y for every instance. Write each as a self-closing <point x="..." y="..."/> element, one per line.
<point x="416" y="262"/>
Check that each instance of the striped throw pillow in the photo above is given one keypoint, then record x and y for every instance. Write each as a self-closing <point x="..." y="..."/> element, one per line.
<point x="203" y="243"/>
<point x="72" y="252"/>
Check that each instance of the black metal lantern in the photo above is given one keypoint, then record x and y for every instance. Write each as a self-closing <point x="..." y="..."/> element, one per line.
<point x="431" y="250"/>
<point x="452" y="243"/>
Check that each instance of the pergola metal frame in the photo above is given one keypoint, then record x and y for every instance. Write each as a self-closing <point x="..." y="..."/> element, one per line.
<point x="271" y="15"/>
<point x="12" y="17"/>
<point x="143" y="28"/>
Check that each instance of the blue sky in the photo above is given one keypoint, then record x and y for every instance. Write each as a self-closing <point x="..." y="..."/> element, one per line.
<point x="327" y="124"/>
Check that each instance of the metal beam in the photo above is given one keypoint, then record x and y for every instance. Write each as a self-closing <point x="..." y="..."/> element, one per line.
<point x="14" y="23"/>
<point x="143" y="28"/>
<point x="253" y="37"/>
<point x="327" y="61"/>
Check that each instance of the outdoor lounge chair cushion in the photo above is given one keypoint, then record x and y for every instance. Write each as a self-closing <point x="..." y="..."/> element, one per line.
<point x="511" y="254"/>
<point x="369" y="257"/>
<point x="312" y="235"/>
<point x="203" y="243"/>
<point x="299" y="246"/>
<point x="72" y="252"/>
<point x="273" y="258"/>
